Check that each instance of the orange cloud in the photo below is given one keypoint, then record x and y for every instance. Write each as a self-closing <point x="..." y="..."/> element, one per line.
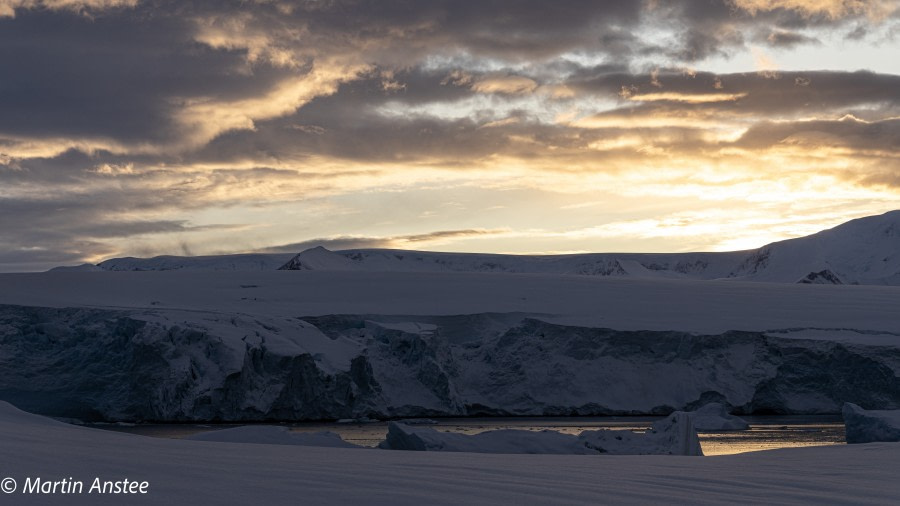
<point x="510" y="85"/>
<point x="834" y="9"/>
<point x="689" y="98"/>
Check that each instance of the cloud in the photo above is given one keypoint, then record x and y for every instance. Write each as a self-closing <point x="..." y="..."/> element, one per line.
<point x="136" y="125"/>
<point x="784" y="39"/>
<point x="698" y="98"/>
<point x="846" y="132"/>
<point x="831" y="9"/>
<point x="202" y="120"/>
<point x="392" y="242"/>
<point x="505" y="84"/>
<point x="8" y="7"/>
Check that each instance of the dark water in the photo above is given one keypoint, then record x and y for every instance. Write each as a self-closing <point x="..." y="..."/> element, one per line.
<point x="766" y="432"/>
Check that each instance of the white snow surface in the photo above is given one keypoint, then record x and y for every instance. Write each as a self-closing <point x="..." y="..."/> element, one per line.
<point x="715" y="417"/>
<point x="674" y="435"/>
<point x="870" y="425"/>
<point x="195" y="472"/>
<point x="620" y="303"/>
<point x="273" y="435"/>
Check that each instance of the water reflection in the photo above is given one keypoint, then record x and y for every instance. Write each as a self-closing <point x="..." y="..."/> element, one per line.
<point x="766" y="432"/>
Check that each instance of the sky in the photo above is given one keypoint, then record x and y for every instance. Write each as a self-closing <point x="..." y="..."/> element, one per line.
<point x="150" y="127"/>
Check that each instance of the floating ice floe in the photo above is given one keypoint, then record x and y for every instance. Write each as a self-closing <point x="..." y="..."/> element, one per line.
<point x="675" y="435"/>
<point x="418" y="421"/>
<point x="869" y="426"/>
<point x="363" y="419"/>
<point x="715" y="417"/>
<point x="273" y="435"/>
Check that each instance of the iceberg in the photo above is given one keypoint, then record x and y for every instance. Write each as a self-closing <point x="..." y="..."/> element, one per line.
<point x="674" y="435"/>
<point x="273" y="435"/>
<point x="869" y="426"/>
<point x="715" y="417"/>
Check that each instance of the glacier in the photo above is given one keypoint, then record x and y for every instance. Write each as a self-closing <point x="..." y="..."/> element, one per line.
<point x="190" y="365"/>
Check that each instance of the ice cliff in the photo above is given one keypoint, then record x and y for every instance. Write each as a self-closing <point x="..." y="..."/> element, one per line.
<point x="193" y="365"/>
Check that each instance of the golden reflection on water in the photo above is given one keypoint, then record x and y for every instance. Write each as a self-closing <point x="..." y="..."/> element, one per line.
<point x="766" y="432"/>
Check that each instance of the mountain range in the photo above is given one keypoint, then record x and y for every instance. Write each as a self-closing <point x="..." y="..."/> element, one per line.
<point x="862" y="251"/>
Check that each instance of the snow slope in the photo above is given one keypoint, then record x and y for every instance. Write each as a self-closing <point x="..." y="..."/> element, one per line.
<point x="194" y="472"/>
<point x="862" y="251"/>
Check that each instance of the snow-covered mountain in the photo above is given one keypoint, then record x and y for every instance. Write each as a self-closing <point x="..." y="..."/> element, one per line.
<point x="639" y="265"/>
<point x="862" y="251"/>
<point x="244" y="262"/>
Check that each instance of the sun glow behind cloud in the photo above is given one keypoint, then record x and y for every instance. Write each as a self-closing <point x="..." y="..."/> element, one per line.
<point x="643" y="127"/>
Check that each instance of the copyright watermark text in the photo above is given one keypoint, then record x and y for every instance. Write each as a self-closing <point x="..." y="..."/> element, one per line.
<point x="97" y="486"/>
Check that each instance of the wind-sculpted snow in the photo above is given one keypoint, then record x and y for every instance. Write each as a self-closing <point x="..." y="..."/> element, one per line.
<point x="195" y="365"/>
<point x="674" y="435"/>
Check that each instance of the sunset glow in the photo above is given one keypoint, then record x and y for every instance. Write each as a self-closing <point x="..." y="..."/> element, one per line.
<point x="130" y="127"/>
